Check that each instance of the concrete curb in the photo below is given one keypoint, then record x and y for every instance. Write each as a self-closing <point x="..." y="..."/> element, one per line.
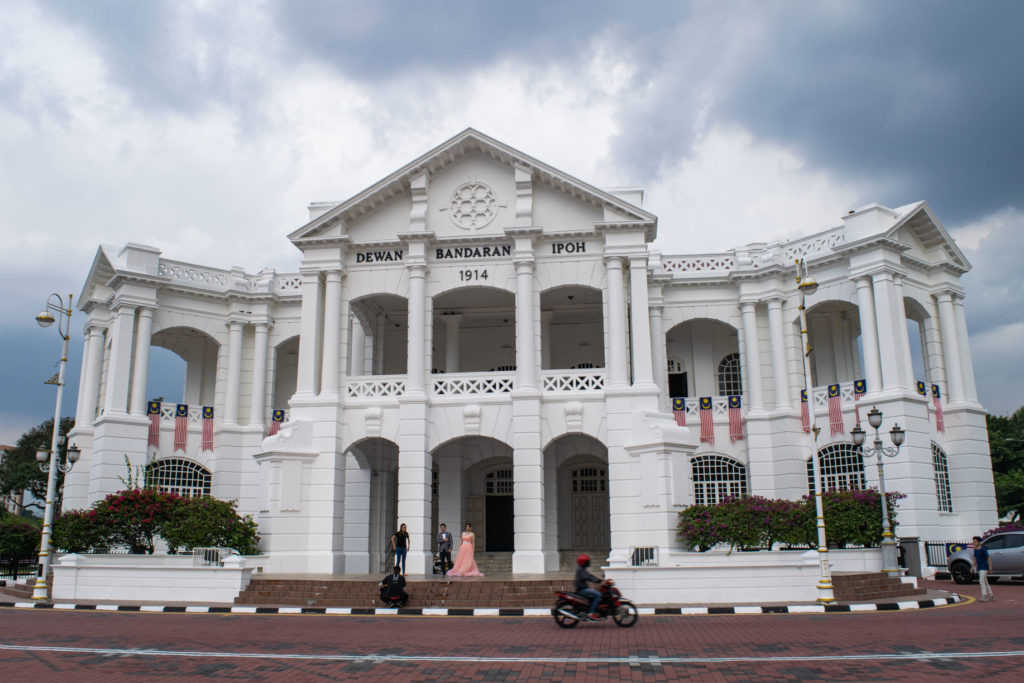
<point x="490" y="611"/>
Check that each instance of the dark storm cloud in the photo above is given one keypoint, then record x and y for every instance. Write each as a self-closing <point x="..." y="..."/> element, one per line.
<point x="911" y="99"/>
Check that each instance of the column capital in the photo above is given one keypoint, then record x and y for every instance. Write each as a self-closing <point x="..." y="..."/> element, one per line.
<point x="235" y="318"/>
<point x="616" y="260"/>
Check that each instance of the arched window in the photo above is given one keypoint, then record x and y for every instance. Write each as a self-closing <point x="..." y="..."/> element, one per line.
<point x="942" y="491"/>
<point x="589" y="480"/>
<point x="181" y="477"/>
<point x="842" y="468"/>
<point x="716" y="477"/>
<point x="729" y="382"/>
<point x="498" y="483"/>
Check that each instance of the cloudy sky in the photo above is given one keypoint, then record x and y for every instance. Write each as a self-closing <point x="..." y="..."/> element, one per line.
<point x="205" y="127"/>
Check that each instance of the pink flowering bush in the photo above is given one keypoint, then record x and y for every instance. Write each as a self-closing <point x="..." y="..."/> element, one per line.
<point x="1012" y="526"/>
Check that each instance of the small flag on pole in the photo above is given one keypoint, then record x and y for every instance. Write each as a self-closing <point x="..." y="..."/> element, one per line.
<point x="181" y="427"/>
<point x="860" y="387"/>
<point x="805" y="414"/>
<point x="735" y="419"/>
<point x="921" y="389"/>
<point x="835" y="409"/>
<point x="679" y="411"/>
<point x="207" y="428"/>
<point x="707" y="421"/>
<point x="276" y="418"/>
<point x="940" y="421"/>
<point x="153" y="411"/>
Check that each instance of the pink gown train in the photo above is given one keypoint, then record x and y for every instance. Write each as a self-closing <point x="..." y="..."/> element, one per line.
<point x="465" y="562"/>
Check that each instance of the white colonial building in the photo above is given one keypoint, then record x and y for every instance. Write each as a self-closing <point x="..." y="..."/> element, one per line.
<point x="481" y="337"/>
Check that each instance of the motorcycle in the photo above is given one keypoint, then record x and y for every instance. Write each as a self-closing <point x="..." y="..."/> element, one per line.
<point x="572" y="608"/>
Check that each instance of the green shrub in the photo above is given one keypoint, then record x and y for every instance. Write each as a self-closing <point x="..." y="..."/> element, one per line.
<point x="18" y="538"/>
<point x="79" y="531"/>
<point x="205" y="521"/>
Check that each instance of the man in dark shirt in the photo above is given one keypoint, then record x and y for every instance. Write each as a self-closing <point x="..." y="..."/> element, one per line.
<point x="582" y="585"/>
<point x="981" y="565"/>
<point x="394" y="585"/>
<point x="444" y="549"/>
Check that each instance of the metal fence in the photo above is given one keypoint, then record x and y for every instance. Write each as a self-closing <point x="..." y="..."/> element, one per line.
<point x="211" y="557"/>
<point x="15" y="566"/>
<point x="644" y="557"/>
<point x="939" y="551"/>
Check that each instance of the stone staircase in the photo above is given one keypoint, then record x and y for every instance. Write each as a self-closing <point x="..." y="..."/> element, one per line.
<point x="870" y="586"/>
<point x="22" y="588"/>
<point x="454" y="593"/>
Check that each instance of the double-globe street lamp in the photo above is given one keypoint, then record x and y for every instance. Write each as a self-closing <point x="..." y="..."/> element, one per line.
<point x="49" y="461"/>
<point x="890" y="559"/>
<point x="808" y="286"/>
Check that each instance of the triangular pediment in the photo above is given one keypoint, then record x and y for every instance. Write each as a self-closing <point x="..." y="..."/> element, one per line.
<point x="101" y="272"/>
<point x="471" y="185"/>
<point x="928" y="239"/>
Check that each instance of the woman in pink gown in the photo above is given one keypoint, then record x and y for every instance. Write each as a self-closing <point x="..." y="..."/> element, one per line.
<point x="465" y="562"/>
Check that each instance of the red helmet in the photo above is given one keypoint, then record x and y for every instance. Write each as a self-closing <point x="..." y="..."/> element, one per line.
<point x="583" y="560"/>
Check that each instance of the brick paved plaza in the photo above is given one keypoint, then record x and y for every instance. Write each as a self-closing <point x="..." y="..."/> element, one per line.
<point x="972" y="639"/>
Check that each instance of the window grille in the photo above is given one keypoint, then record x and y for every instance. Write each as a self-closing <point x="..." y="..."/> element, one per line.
<point x="504" y="368"/>
<point x="589" y="480"/>
<point x="499" y="483"/>
<point x="674" y="366"/>
<point x="181" y="477"/>
<point x="942" y="491"/>
<point x="584" y="366"/>
<point x="842" y="468"/>
<point x="729" y="380"/>
<point x="716" y="477"/>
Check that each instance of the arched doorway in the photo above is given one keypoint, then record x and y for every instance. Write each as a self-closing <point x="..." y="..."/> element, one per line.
<point x="499" y="510"/>
<point x="589" y="506"/>
<point x="579" y="514"/>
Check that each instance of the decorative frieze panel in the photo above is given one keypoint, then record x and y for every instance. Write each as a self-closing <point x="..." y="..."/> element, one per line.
<point x="189" y="273"/>
<point x="705" y="263"/>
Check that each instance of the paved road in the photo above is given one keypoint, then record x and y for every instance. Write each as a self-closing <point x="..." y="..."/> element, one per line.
<point x="963" y="641"/>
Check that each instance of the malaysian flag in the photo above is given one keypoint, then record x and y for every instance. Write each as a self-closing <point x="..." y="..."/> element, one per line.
<point x="707" y="421"/>
<point x="153" y="411"/>
<point x="207" y="428"/>
<point x="679" y="411"/>
<point x="922" y="389"/>
<point x="835" y="409"/>
<point x="735" y="419"/>
<point x="940" y="422"/>
<point x="180" y="427"/>
<point x="276" y="418"/>
<point x="805" y="414"/>
<point x="860" y="387"/>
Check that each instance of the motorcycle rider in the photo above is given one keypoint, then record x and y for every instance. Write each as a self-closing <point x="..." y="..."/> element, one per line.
<point x="581" y="585"/>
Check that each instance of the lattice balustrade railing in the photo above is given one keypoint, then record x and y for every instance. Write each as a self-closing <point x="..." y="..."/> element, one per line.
<point x="288" y="284"/>
<point x="814" y="245"/>
<point x="703" y="263"/>
<point x="489" y="383"/>
<point x="719" y="408"/>
<point x="569" y="381"/>
<point x="188" y="273"/>
<point x="820" y="397"/>
<point x="374" y="388"/>
<point x="168" y="414"/>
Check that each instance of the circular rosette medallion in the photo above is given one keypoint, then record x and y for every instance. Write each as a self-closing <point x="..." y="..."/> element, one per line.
<point x="473" y="205"/>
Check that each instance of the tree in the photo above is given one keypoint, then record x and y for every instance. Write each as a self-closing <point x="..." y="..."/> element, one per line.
<point x="19" y="470"/>
<point x="1006" y="444"/>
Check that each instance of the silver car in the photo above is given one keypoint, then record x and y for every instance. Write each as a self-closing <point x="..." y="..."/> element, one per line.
<point x="1005" y="556"/>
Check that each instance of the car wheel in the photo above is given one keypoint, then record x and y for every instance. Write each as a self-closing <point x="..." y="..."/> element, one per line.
<point x="962" y="573"/>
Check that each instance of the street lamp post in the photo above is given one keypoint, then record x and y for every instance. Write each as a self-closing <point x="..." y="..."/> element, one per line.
<point x="49" y="461"/>
<point x="808" y="286"/>
<point x="890" y="559"/>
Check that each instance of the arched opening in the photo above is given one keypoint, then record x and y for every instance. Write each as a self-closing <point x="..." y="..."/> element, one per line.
<point x="717" y="477"/>
<point x="833" y="329"/>
<point x="578" y="511"/>
<point x="286" y="372"/>
<point x="379" y="335"/>
<point x="703" y="359"/>
<point x="921" y="335"/>
<point x="179" y="476"/>
<point x="572" y="328"/>
<point x="474" y="331"/>
<point x="371" y="503"/>
<point x="842" y="468"/>
<point x="198" y="350"/>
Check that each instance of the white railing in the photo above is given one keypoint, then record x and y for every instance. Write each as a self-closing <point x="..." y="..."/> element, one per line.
<point x="701" y="263"/>
<point x="719" y="408"/>
<point x="815" y="244"/>
<point x="186" y="272"/>
<point x="211" y="557"/>
<point x="375" y="387"/>
<point x="573" y="380"/>
<point x="820" y="397"/>
<point x="460" y="384"/>
<point x="290" y="283"/>
<point x="168" y="414"/>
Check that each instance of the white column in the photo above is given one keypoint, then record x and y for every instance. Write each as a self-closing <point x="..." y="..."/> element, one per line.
<point x="449" y="493"/>
<point x="868" y="333"/>
<point x="526" y="356"/>
<point x="309" y="364"/>
<point x="118" y="369"/>
<point x="358" y="352"/>
<point x="416" y="373"/>
<point x="91" y="365"/>
<point x="452" y="326"/>
<point x="332" y="332"/>
<point x="140" y="371"/>
<point x="900" y="330"/>
<point x="777" y="334"/>
<point x="640" y="323"/>
<point x="234" y="372"/>
<point x="951" y="352"/>
<point x="617" y="371"/>
<point x="966" y="364"/>
<point x="888" y="346"/>
<point x="660" y="358"/>
<point x="752" y="353"/>
<point x="257" y="405"/>
<point x="545" y="339"/>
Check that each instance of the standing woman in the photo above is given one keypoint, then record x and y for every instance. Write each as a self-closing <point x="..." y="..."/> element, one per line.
<point x="400" y="544"/>
<point x="465" y="563"/>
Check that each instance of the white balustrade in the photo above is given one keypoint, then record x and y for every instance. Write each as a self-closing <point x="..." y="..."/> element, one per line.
<point x="373" y="387"/>
<point x="198" y="275"/>
<point x="464" y="383"/>
<point x="573" y="380"/>
<point x="701" y="263"/>
<point x="814" y="244"/>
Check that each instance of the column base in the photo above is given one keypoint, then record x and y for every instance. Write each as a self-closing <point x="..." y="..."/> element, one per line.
<point x="528" y="562"/>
